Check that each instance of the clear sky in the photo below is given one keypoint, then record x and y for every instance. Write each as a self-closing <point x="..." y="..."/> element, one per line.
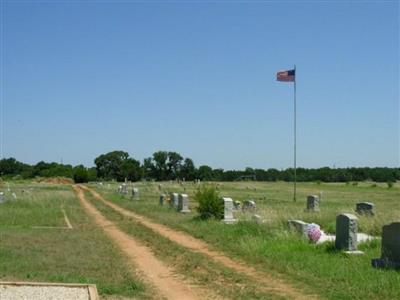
<point x="81" y="78"/>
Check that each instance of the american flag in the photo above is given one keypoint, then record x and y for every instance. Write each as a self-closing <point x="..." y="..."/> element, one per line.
<point x="288" y="76"/>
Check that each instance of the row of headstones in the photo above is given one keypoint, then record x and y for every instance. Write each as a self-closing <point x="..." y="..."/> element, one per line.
<point x="178" y="201"/>
<point x="346" y="239"/>
<point x="181" y="203"/>
<point x="3" y="197"/>
<point x="362" y="208"/>
<point x="123" y="189"/>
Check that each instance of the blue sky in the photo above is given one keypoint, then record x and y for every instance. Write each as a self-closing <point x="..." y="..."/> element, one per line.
<point x="82" y="78"/>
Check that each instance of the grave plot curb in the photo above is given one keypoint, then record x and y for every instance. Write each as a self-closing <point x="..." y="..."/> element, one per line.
<point x="91" y="288"/>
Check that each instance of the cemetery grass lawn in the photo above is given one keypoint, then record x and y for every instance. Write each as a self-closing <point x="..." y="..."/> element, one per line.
<point x="79" y="255"/>
<point x="195" y="267"/>
<point x="270" y="247"/>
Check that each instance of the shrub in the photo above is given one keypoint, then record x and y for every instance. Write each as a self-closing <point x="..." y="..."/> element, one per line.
<point x="355" y="183"/>
<point x="210" y="203"/>
<point x="80" y="174"/>
<point x="389" y="184"/>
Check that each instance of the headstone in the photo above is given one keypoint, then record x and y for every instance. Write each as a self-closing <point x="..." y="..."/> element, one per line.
<point x="162" y="199"/>
<point x="2" y="198"/>
<point x="160" y="187"/>
<point x="236" y="204"/>
<point x="346" y="233"/>
<point x="248" y="205"/>
<point x="135" y="193"/>
<point x="390" y="257"/>
<point x="124" y="189"/>
<point x="257" y="219"/>
<point x="313" y="203"/>
<point x="365" y="208"/>
<point x="299" y="226"/>
<point x="119" y="190"/>
<point x="174" y="199"/>
<point x="14" y="195"/>
<point x="228" y="214"/>
<point x="183" y="205"/>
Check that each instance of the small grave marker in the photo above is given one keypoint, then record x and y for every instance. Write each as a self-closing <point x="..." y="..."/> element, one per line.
<point x="249" y="205"/>
<point x="365" y="208"/>
<point x="2" y="198"/>
<point x="313" y="203"/>
<point x="299" y="226"/>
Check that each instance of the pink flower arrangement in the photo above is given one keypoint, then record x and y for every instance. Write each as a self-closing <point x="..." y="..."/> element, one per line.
<point x="313" y="232"/>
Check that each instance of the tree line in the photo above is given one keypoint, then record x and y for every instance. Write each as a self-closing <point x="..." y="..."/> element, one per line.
<point x="169" y="165"/>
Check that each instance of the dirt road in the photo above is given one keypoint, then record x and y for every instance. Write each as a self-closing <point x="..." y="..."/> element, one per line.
<point x="156" y="272"/>
<point x="270" y="282"/>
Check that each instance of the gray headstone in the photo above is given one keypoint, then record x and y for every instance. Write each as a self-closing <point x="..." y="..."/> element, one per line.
<point x="228" y="211"/>
<point x="2" y="198"/>
<point x="135" y="193"/>
<point x="14" y="195"/>
<point x="162" y="199"/>
<point x="390" y="256"/>
<point x="174" y="199"/>
<point x="124" y="189"/>
<point x="248" y="205"/>
<point x="236" y="204"/>
<point x="365" y="208"/>
<point x="183" y="204"/>
<point x="313" y="203"/>
<point x="299" y="226"/>
<point x="346" y="232"/>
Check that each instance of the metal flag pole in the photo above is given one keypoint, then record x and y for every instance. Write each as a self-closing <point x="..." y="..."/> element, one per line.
<point x="295" y="134"/>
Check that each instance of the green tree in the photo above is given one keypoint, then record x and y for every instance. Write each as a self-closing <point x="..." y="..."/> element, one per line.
<point x="111" y="165"/>
<point x="80" y="174"/>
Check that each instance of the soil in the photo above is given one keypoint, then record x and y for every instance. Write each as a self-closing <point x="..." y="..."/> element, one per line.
<point x="269" y="282"/>
<point x="56" y="180"/>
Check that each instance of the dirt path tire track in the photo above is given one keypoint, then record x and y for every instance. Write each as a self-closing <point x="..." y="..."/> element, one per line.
<point x="157" y="273"/>
<point x="269" y="282"/>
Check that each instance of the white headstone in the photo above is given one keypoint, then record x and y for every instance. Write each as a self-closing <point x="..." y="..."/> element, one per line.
<point x="174" y="199"/>
<point x="228" y="211"/>
<point x="183" y="205"/>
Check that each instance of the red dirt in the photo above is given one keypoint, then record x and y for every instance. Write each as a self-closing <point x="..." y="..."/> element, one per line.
<point x="56" y="180"/>
<point x="141" y="257"/>
<point x="270" y="282"/>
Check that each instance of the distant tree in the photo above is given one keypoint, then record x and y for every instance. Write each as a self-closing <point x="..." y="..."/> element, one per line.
<point x="92" y="174"/>
<point x="80" y="174"/>
<point x="205" y="173"/>
<point x="111" y="165"/>
<point x="188" y="170"/>
<point x="131" y="170"/>
<point x="174" y="165"/>
<point x="160" y="159"/>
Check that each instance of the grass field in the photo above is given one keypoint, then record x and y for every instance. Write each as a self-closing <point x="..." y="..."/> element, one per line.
<point x="54" y="253"/>
<point x="84" y="254"/>
<point x="270" y="246"/>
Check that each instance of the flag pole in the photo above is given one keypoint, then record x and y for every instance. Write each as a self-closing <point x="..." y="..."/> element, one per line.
<point x="295" y="134"/>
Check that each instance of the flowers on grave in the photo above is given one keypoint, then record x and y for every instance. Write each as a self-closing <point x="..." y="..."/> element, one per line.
<point x="313" y="232"/>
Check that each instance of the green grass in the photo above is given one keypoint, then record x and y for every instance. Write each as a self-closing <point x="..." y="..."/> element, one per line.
<point x="81" y="255"/>
<point x="271" y="247"/>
